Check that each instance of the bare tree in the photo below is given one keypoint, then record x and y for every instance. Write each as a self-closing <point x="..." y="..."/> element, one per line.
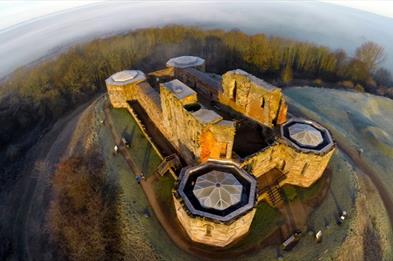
<point x="383" y="77"/>
<point x="371" y="54"/>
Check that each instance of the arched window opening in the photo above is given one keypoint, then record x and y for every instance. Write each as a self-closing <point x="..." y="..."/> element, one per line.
<point x="234" y="91"/>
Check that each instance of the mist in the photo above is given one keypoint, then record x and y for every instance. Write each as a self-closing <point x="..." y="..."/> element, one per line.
<point x="321" y="23"/>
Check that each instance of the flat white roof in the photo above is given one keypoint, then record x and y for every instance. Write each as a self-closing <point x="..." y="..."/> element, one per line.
<point x="185" y="61"/>
<point x="126" y="77"/>
<point x="206" y="116"/>
<point x="179" y="89"/>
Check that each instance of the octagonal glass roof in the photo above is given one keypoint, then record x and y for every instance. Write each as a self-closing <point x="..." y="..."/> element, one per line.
<point x="305" y="134"/>
<point x="218" y="190"/>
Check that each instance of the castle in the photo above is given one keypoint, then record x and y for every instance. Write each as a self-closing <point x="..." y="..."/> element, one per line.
<point x="233" y="137"/>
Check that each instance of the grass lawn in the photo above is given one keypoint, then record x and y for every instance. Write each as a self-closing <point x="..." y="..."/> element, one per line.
<point x="140" y="149"/>
<point x="293" y="192"/>
<point x="142" y="238"/>
<point x="163" y="189"/>
<point x="265" y="221"/>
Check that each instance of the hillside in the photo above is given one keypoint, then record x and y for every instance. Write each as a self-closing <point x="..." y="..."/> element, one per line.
<point x="361" y="123"/>
<point x="362" y="126"/>
<point x="140" y="234"/>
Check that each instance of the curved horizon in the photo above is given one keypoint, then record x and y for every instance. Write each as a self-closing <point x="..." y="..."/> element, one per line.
<point x="48" y="33"/>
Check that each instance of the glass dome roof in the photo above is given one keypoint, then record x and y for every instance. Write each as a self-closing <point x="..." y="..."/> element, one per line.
<point x="305" y="134"/>
<point x="218" y="190"/>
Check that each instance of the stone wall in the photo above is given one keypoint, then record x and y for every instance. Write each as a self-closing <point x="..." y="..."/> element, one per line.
<point x="150" y="101"/>
<point x="160" y="76"/>
<point x="183" y="129"/>
<point x="202" y="82"/>
<point x="253" y="97"/>
<point x="213" y="233"/>
<point x="196" y="141"/>
<point x="301" y="169"/>
<point x="120" y="94"/>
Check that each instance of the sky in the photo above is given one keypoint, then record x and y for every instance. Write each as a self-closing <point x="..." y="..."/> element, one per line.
<point x="14" y="12"/>
<point x="379" y="7"/>
<point x="72" y="22"/>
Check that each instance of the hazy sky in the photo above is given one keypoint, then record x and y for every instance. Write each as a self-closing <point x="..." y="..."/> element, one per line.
<point x="379" y="7"/>
<point x="50" y="27"/>
<point x="14" y="12"/>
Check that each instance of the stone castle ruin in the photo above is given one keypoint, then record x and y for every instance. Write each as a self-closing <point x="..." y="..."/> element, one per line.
<point x="233" y="137"/>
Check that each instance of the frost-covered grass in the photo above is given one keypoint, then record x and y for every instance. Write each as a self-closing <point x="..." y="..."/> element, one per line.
<point x="141" y="150"/>
<point x="142" y="238"/>
<point x="363" y="122"/>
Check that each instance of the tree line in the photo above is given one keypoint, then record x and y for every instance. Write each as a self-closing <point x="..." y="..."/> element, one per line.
<point x="34" y="97"/>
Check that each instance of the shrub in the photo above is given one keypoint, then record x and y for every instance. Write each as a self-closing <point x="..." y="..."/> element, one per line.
<point x="318" y="82"/>
<point x="346" y="84"/>
<point x="78" y="210"/>
<point x="359" y="88"/>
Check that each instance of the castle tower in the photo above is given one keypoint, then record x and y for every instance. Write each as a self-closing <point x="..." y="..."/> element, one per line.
<point x="121" y="86"/>
<point x="183" y="62"/>
<point x="309" y="148"/>
<point x="215" y="202"/>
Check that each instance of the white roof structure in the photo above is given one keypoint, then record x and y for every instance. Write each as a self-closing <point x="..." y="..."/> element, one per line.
<point x="305" y="134"/>
<point x="206" y="116"/>
<point x="178" y="88"/>
<point x="218" y="190"/>
<point x="185" y="62"/>
<point x="126" y="77"/>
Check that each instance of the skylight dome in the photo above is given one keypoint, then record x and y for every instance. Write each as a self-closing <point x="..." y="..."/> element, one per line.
<point x="218" y="190"/>
<point x="305" y="134"/>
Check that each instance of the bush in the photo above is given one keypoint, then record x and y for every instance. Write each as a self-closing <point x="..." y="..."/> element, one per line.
<point x="286" y="74"/>
<point x="318" y="82"/>
<point x="290" y="192"/>
<point x="346" y="84"/>
<point x="359" y="88"/>
<point x="77" y="213"/>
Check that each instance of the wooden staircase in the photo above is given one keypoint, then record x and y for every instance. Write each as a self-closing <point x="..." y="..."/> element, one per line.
<point x="275" y="196"/>
<point x="170" y="162"/>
